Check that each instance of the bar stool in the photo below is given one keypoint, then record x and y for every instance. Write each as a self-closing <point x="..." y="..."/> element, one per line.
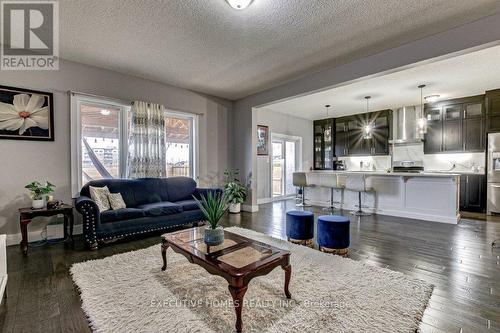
<point x="331" y="181"/>
<point x="300" y="181"/>
<point x="357" y="183"/>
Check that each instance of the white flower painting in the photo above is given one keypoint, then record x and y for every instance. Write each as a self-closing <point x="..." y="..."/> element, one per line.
<point x="26" y="116"/>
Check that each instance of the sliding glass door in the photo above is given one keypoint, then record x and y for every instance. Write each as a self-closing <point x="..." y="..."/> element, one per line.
<point x="284" y="164"/>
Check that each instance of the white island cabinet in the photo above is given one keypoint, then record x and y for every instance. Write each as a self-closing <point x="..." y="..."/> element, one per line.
<point x="423" y="196"/>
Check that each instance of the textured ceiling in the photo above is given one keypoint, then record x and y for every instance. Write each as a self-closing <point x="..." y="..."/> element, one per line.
<point x="207" y="46"/>
<point x="465" y="75"/>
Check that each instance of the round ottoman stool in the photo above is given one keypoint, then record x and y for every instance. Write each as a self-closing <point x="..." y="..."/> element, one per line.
<point x="333" y="234"/>
<point x="300" y="227"/>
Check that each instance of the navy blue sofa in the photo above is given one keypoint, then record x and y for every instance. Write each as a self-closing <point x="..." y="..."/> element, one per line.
<point x="152" y="205"/>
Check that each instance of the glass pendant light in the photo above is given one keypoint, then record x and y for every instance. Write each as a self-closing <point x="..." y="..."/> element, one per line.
<point x="367" y="129"/>
<point x="422" y="121"/>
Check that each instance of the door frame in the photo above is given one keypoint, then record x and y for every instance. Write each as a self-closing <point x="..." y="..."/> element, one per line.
<point x="298" y="160"/>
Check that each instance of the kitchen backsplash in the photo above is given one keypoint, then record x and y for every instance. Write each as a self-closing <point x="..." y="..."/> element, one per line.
<point x="415" y="152"/>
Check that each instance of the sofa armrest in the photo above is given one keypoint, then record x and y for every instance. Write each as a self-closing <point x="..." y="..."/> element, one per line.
<point x="91" y="219"/>
<point x="205" y="191"/>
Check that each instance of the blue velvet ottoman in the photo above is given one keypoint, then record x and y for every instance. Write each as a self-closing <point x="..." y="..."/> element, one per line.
<point x="300" y="227"/>
<point x="333" y="234"/>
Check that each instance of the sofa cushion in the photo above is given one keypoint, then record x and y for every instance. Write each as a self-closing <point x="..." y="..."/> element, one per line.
<point x="123" y="186"/>
<point x="180" y="188"/>
<point x="121" y="214"/>
<point x="188" y="204"/>
<point x="161" y="208"/>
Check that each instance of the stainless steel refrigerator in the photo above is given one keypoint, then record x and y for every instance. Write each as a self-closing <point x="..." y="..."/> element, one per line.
<point x="493" y="168"/>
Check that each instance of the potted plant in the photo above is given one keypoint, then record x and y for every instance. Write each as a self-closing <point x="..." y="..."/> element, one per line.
<point x="213" y="206"/>
<point x="38" y="193"/>
<point x="236" y="193"/>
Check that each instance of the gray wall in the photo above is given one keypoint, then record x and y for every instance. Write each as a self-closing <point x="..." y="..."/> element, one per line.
<point x="280" y="123"/>
<point x="23" y="161"/>
<point x="445" y="44"/>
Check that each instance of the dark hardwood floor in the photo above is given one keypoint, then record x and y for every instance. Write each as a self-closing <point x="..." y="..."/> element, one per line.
<point x="457" y="259"/>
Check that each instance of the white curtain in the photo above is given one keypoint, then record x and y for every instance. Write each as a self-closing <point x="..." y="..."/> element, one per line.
<point x="147" y="141"/>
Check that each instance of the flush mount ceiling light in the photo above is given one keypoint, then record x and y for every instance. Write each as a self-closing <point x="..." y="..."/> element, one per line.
<point x="239" y="4"/>
<point x="431" y="98"/>
<point x="105" y="112"/>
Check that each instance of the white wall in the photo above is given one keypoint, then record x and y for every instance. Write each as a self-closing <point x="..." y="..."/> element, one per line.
<point x="280" y="123"/>
<point x="431" y="48"/>
<point x="24" y="161"/>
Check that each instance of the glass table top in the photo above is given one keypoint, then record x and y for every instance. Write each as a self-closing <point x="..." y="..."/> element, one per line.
<point x="236" y="251"/>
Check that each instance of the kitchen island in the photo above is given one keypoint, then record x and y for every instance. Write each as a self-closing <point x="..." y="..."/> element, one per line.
<point x="425" y="196"/>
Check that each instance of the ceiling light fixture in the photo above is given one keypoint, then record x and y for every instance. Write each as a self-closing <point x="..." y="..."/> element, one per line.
<point x="431" y="98"/>
<point x="105" y="112"/>
<point x="327" y="108"/>
<point x="367" y="129"/>
<point x="239" y="4"/>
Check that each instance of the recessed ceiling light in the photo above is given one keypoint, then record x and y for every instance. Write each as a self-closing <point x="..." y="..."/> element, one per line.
<point x="431" y="98"/>
<point x="239" y="4"/>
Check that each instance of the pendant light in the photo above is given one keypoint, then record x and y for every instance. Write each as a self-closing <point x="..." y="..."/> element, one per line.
<point x="422" y="121"/>
<point x="327" y="107"/>
<point x="367" y="129"/>
<point x="239" y="4"/>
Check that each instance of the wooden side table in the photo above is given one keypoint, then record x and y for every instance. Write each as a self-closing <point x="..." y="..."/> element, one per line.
<point x="27" y="214"/>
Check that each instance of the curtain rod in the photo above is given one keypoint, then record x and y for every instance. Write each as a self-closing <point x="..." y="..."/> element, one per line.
<point x="71" y="92"/>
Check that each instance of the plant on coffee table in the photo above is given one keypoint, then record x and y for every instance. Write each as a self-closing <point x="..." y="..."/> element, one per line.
<point x="213" y="205"/>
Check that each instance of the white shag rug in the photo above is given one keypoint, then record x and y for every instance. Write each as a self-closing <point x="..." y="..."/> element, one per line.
<point x="129" y="293"/>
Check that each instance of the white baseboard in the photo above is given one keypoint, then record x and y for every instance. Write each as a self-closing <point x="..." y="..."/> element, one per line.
<point x="264" y="201"/>
<point x="33" y="236"/>
<point x="250" y="208"/>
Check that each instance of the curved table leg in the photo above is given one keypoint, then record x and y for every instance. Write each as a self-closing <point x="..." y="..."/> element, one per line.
<point x="288" y="275"/>
<point x="164" y="247"/>
<point x="238" y="293"/>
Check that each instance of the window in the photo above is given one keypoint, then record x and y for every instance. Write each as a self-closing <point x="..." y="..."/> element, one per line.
<point x="100" y="142"/>
<point x="179" y="136"/>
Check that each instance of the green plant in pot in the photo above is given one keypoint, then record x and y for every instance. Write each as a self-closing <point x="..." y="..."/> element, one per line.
<point x="236" y="193"/>
<point x="213" y="206"/>
<point x="39" y="192"/>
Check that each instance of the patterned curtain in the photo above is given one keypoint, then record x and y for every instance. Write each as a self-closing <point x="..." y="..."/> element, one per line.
<point x="147" y="141"/>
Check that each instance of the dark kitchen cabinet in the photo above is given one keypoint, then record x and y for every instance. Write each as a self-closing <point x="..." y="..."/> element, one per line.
<point x="433" y="142"/>
<point x="493" y="110"/>
<point x="357" y="145"/>
<point x="341" y="137"/>
<point x="473" y="193"/>
<point x="473" y="134"/>
<point x="381" y="132"/>
<point x="323" y="144"/>
<point x="455" y="126"/>
<point x="452" y="128"/>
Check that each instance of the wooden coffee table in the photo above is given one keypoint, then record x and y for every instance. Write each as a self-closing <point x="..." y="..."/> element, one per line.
<point x="238" y="260"/>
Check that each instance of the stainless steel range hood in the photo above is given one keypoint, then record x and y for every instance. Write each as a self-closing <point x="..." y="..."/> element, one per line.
<point x="405" y="125"/>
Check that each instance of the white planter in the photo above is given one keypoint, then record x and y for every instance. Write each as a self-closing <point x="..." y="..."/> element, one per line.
<point x="234" y="208"/>
<point x="38" y="204"/>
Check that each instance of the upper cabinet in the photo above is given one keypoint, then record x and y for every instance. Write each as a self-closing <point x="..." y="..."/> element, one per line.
<point x="348" y="137"/>
<point x="493" y="110"/>
<point x="455" y="125"/>
<point x="324" y="144"/>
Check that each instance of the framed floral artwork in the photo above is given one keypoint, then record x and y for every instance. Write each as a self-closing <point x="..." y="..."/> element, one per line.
<point x="262" y="140"/>
<point x="26" y="114"/>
